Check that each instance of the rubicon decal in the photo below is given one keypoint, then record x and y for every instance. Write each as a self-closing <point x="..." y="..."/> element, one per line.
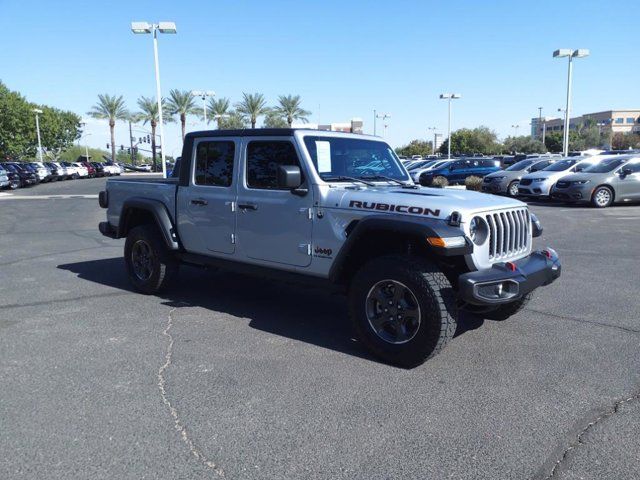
<point x="386" y="207"/>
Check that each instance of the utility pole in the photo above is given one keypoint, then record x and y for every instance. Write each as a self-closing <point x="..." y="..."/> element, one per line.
<point x="131" y="144"/>
<point x="433" y="145"/>
<point x="37" y="111"/>
<point x="539" y="116"/>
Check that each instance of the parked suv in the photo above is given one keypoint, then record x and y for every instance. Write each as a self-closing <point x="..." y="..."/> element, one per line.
<point x="25" y="175"/>
<point x="456" y="171"/>
<point x="4" y="178"/>
<point x="507" y="180"/>
<point x="337" y="210"/>
<point x="615" y="179"/>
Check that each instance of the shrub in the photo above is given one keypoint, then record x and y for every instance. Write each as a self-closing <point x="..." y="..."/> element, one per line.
<point x="439" y="182"/>
<point x="473" y="183"/>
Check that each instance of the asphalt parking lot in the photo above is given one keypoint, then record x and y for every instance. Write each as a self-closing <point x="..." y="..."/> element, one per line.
<point x="236" y="377"/>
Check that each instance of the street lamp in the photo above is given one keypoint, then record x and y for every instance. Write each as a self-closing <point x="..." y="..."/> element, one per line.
<point x="567" y="52"/>
<point x="86" y="147"/>
<point x="203" y="94"/>
<point x="515" y="128"/>
<point x="154" y="28"/>
<point x="383" y="116"/>
<point x="37" y="111"/>
<point x="433" y="145"/>
<point x="449" y="97"/>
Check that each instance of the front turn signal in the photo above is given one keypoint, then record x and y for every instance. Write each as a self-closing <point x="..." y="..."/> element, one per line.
<point x="447" y="242"/>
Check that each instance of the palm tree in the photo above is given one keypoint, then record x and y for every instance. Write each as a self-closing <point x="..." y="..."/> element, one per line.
<point x="181" y="103"/>
<point x="149" y="114"/>
<point x="290" y="109"/>
<point x="111" y="108"/>
<point x="218" y="108"/>
<point x="252" y="105"/>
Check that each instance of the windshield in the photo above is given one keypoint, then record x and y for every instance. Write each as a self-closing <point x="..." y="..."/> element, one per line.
<point x="560" y="166"/>
<point x="421" y="164"/>
<point x="335" y="157"/>
<point x="605" y="165"/>
<point x="521" y="165"/>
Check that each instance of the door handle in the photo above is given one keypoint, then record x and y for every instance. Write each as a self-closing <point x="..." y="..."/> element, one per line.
<point x="247" y="206"/>
<point x="199" y="201"/>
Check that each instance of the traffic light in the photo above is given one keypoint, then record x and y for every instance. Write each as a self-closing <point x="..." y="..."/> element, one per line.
<point x="107" y="146"/>
<point x="121" y="147"/>
<point x="148" y="138"/>
<point x="128" y="151"/>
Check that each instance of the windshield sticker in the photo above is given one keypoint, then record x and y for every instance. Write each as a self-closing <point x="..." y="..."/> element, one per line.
<point x="323" y="153"/>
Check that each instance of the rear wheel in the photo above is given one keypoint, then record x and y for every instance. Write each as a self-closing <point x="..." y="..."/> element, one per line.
<point x="14" y="185"/>
<point x="402" y="309"/>
<point x="602" y="197"/>
<point x="512" y="190"/>
<point x="150" y="264"/>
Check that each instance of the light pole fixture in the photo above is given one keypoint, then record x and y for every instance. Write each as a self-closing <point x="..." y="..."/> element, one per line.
<point x="433" y="145"/>
<point x="203" y="94"/>
<point x="154" y="28"/>
<point x="86" y="147"/>
<point x="449" y="97"/>
<point x="515" y="128"/>
<point x="37" y="111"/>
<point x="571" y="54"/>
<point x="383" y="116"/>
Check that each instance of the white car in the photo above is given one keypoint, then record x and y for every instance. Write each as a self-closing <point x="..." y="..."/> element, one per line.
<point x="540" y="183"/>
<point x="111" y="169"/>
<point x="83" y="172"/>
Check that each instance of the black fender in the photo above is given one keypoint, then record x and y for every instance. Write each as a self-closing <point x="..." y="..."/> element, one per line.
<point x="400" y="225"/>
<point x="160" y="214"/>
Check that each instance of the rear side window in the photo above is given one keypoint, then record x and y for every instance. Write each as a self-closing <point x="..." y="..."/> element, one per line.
<point x="214" y="163"/>
<point x="263" y="160"/>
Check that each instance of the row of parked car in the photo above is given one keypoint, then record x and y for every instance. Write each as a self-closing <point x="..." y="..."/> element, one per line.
<point x="603" y="179"/>
<point x="23" y="174"/>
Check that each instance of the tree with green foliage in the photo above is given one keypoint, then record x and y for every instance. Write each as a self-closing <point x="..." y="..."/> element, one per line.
<point x="553" y="141"/>
<point x="111" y="108"/>
<point x="233" y="120"/>
<point x="181" y="103"/>
<point x="469" y="141"/>
<point x="148" y="113"/>
<point x="416" y="147"/>
<point x="72" y="153"/>
<point x="219" y="108"/>
<point x="290" y="109"/>
<point x="275" y="120"/>
<point x="625" y="141"/>
<point x="253" y="105"/>
<point x="523" y="144"/>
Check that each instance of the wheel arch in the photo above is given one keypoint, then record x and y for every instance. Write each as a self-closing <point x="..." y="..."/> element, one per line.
<point x="609" y="186"/>
<point x="140" y="211"/>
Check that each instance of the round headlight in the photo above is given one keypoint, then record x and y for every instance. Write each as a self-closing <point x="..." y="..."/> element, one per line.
<point x="478" y="230"/>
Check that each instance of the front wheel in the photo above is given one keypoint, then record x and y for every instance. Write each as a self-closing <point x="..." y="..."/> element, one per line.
<point x="512" y="190"/>
<point x="602" y="197"/>
<point x="402" y="309"/>
<point x="150" y="264"/>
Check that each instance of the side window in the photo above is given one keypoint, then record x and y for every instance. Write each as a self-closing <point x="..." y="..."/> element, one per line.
<point x="263" y="160"/>
<point x="634" y="167"/>
<point x="214" y="163"/>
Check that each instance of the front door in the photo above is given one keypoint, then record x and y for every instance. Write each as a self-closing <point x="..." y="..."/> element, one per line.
<point x="628" y="186"/>
<point x="274" y="225"/>
<point x="206" y="219"/>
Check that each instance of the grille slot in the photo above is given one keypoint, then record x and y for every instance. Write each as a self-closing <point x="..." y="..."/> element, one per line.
<point x="525" y="181"/>
<point x="508" y="233"/>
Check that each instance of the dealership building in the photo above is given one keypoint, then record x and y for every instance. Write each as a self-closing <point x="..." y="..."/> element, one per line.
<point x="614" y="121"/>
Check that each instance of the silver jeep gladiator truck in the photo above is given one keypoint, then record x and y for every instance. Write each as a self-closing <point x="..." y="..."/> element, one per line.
<point x="336" y="209"/>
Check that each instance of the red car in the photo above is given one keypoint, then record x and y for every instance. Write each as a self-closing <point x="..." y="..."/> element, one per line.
<point x="90" y="168"/>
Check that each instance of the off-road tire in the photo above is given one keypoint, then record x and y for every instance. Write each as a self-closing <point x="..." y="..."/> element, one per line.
<point x="508" y="309"/>
<point x="163" y="264"/>
<point x="594" y="197"/>
<point x="510" y="187"/>
<point x="435" y="298"/>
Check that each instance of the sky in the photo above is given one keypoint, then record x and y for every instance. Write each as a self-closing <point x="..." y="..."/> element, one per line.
<point x="345" y="58"/>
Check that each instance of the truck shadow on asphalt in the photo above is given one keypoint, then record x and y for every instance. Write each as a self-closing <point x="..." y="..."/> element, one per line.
<point x="306" y="314"/>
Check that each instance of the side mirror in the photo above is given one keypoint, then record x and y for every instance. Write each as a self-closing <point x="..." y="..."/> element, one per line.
<point x="626" y="171"/>
<point x="289" y="177"/>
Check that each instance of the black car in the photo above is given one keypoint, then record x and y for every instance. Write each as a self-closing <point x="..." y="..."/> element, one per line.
<point x="56" y="174"/>
<point x="99" y="169"/>
<point x="26" y="176"/>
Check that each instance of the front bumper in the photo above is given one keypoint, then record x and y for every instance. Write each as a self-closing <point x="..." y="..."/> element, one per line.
<point x="510" y="281"/>
<point x="573" y="193"/>
<point x="536" y="189"/>
<point x="495" y="186"/>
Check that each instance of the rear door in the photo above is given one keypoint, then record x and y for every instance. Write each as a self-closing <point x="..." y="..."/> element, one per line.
<point x="274" y="225"/>
<point x="628" y="186"/>
<point x="207" y="216"/>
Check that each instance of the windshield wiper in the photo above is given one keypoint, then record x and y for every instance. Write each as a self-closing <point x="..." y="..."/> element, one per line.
<point x="347" y="179"/>
<point x="389" y="179"/>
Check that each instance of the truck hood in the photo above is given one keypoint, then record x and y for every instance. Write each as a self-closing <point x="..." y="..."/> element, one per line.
<point x="421" y="202"/>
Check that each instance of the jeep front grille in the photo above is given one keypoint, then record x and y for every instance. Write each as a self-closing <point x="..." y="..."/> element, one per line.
<point x="509" y="233"/>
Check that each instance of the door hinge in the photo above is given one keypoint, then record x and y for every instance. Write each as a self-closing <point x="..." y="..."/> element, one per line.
<point x="233" y="238"/>
<point x="307" y="211"/>
<point x="305" y="248"/>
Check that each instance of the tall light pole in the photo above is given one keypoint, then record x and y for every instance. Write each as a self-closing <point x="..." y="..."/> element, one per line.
<point x="383" y="116"/>
<point x="515" y="128"/>
<point x="567" y="52"/>
<point x="86" y="147"/>
<point x="154" y="28"/>
<point x="37" y="111"/>
<point x="449" y="97"/>
<point x="203" y="94"/>
<point x="539" y="119"/>
<point x="433" y="145"/>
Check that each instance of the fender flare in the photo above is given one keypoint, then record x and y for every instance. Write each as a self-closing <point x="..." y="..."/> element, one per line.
<point x="399" y="225"/>
<point x="159" y="212"/>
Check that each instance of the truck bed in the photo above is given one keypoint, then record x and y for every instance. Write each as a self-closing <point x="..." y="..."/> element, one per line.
<point x="121" y="189"/>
